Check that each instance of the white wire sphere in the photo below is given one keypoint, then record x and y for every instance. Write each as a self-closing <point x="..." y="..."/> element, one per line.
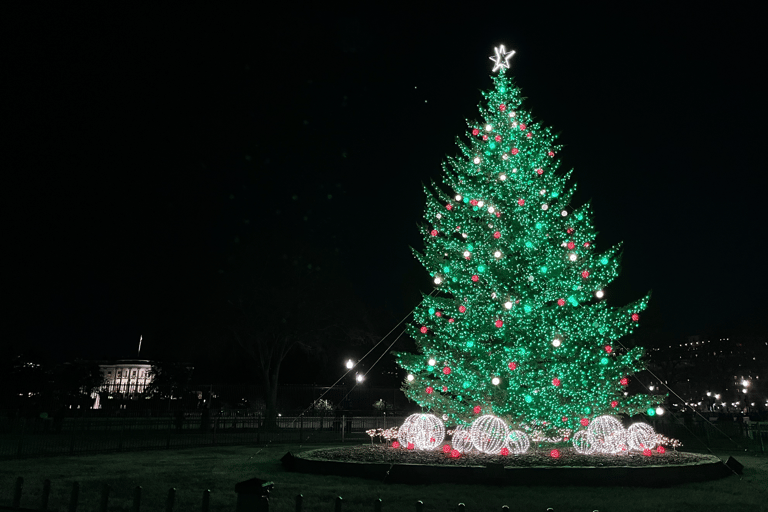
<point x="461" y="440"/>
<point x="489" y="434"/>
<point x="609" y="434"/>
<point x="584" y="442"/>
<point x="641" y="436"/>
<point x="403" y="431"/>
<point x="518" y="442"/>
<point x="425" y="431"/>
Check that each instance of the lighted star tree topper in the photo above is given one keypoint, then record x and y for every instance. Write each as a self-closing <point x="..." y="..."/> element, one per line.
<point x="516" y="326"/>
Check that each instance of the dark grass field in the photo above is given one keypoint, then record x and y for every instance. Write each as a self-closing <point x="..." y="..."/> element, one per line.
<point x="191" y="471"/>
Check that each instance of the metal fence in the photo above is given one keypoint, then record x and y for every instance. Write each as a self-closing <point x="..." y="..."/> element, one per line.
<point x="25" y="437"/>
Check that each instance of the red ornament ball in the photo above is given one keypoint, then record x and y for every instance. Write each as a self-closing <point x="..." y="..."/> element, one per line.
<point x="614" y="404"/>
<point x="512" y="365"/>
<point x="504" y="451"/>
<point x="586" y="244"/>
<point x="476" y="409"/>
<point x="550" y="154"/>
<point x="585" y="274"/>
<point x="451" y="320"/>
<point x="561" y="302"/>
<point x="462" y="308"/>
<point x="475" y="278"/>
<point x="584" y="422"/>
<point x="497" y="234"/>
<point x="647" y="452"/>
<point x="539" y="171"/>
<point x="515" y="151"/>
<point x="571" y="245"/>
<point x="446" y="370"/>
<point x="431" y="439"/>
<point x="555" y="454"/>
<point x="423" y="329"/>
<point x="433" y="232"/>
<point x="475" y="132"/>
<point x="497" y="138"/>
<point x="473" y="202"/>
<point x="624" y="381"/>
<point x="498" y="214"/>
<point x="529" y="135"/>
<point x="445" y="389"/>
<point x="438" y="313"/>
<point x="522" y="126"/>
<point x="608" y="349"/>
<point x="556" y="381"/>
<point x="499" y="324"/>
<point x="635" y="317"/>
<point x="485" y="137"/>
<point x="502" y="107"/>
<point x="569" y="230"/>
<point x="564" y="419"/>
<point x="449" y="206"/>
<point x="429" y="390"/>
<point x="410" y="446"/>
<point x="521" y="202"/>
<point x="660" y="449"/>
<point x="446" y="448"/>
<point x="395" y="445"/>
<point x="455" y="454"/>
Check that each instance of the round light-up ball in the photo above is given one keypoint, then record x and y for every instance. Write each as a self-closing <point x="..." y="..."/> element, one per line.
<point x="518" y="442"/>
<point x="446" y="370"/>
<point x="659" y="411"/>
<point x="584" y="442"/>
<point x="489" y="434"/>
<point x="503" y="177"/>
<point x="410" y="378"/>
<point x="488" y="127"/>
<point x="458" y="197"/>
<point x="491" y="209"/>
<point x="508" y="305"/>
<point x="495" y="381"/>
<point x="402" y="432"/>
<point x="599" y="294"/>
<point x="476" y="160"/>
<point x="572" y="256"/>
<point x="564" y="213"/>
<point x="461" y="440"/>
<point x="431" y="361"/>
<point x="359" y="377"/>
<point x="497" y="254"/>
<point x="641" y="436"/>
<point x="609" y="434"/>
<point x="556" y="342"/>
<point x="555" y="454"/>
<point x="438" y="280"/>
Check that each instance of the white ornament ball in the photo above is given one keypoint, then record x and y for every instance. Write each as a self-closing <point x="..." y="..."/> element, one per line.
<point x="609" y="434"/>
<point x="403" y="431"/>
<point x="425" y="431"/>
<point x="489" y="434"/>
<point x="462" y="440"/>
<point x="641" y="436"/>
<point x="584" y="442"/>
<point x="518" y="442"/>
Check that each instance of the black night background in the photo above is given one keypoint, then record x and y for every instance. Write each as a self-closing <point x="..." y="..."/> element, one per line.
<point x="145" y="147"/>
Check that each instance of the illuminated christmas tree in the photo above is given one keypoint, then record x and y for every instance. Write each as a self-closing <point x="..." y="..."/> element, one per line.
<point x="515" y="326"/>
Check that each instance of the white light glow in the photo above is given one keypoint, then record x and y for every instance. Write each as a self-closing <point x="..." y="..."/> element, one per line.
<point x="497" y="254"/>
<point x="488" y="127"/>
<point x="458" y="197"/>
<point x="564" y="213"/>
<point x="350" y="363"/>
<point x="360" y="377"/>
<point x="491" y="209"/>
<point x="508" y="305"/>
<point x="745" y="383"/>
<point x="505" y="156"/>
<point x="517" y="442"/>
<point x="495" y="381"/>
<point x="425" y="431"/>
<point x="438" y="280"/>
<point x="556" y="342"/>
<point x="410" y="378"/>
<point x="609" y="434"/>
<point x="545" y="207"/>
<point x="480" y="204"/>
<point x="641" y="436"/>
<point x="489" y="434"/>
<point x="431" y="361"/>
<point x="476" y="160"/>
<point x="501" y="57"/>
<point x="572" y="256"/>
<point x="439" y="215"/>
<point x="659" y="411"/>
<point x="503" y="177"/>
<point x="599" y="294"/>
<point x="461" y="440"/>
<point x="584" y="442"/>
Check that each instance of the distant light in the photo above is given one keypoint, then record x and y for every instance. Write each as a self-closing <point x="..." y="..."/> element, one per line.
<point x="709" y="393"/>
<point x="503" y="177"/>
<point x="572" y="256"/>
<point x="650" y="387"/>
<point x="659" y="411"/>
<point x="488" y="127"/>
<point x="438" y="280"/>
<point x="458" y="197"/>
<point x="497" y="254"/>
<point x="350" y="364"/>
<point x="564" y="213"/>
<point x="556" y="342"/>
<point x="410" y="378"/>
<point x="431" y="361"/>
<point x="508" y="305"/>
<point x="599" y="294"/>
<point x="495" y="381"/>
<point x="360" y="377"/>
<point x="745" y="383"/>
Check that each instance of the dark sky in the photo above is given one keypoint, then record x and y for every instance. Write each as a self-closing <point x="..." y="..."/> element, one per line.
<point x="146" y="142"/>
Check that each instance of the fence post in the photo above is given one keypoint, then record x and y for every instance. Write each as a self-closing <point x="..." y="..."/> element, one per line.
<point x="419" y="506"/>
<point x="760" y="435"/>
<point x="343" y="424"/>
<point x="136" y="499"/>
<point x="74" y="497"/>
<point x="377" y="505"/>
<point x="17" y="492"/>
<point x="46" y="493"/>
<point x="170" y="500"/>
<point x="337" y="504"/>
<point x="299" y="502"/>
<point x="104" y="498"/>
<point x="206" y="500"/>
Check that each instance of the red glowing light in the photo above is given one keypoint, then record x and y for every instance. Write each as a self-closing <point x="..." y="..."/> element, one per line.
<point x="561" y="302"/>
<point x="497" y="234"/>
<point x="395" y="445"/>
<point x="614" y="404"/>
<point x="660" y="449"/>
<point x="585" y="274"/>
<point x="473" y="202"/>
<point x="584" y="422"/>
<point x="497" y="138"/>
<point x="475" y="132"/>
<point x="505" y="451"/>
<point x="462" y="309"/>
<point x="475" y="278"/>
<point x="529" y="135"/>
<point x="624" y="381"/>
<point x="476" y="409"/>
<point x="499" y="324"/>
<point x="512" y="365"/>
<point x="438" y="313"/>
<point x="521" y="202"/>
<point x="647" y="452"/>
<point x="502" y="107"/>
<point x="449" y="206"/>
<point x="564" y="419"/>
<point x="485" y="137"/>
<point x="446" y="448"/>
<point x="571" y="245"/>
<point x="455" y="454"/>
<point x="445" y="389"/>
<point x="556" y="381"/>
<point x="522" y="126"/>
<point x="635" y="317"/>
<point x="433" y="232"/>
<point x="446" y="370"/>
<point x="515" y="151"/>
<point x="423" y="329"/>
<point x="539" y="171"/>
<point x="555" y="454"/>
<point x="450" y="320"/>
<point x="550" y="154"/>
<point x="410" y="446"/>
<point x="608" y="349"/>
<point x="429" y="390"/>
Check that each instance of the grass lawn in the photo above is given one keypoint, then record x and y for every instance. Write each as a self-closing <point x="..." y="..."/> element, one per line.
<point x="193" y="470"/>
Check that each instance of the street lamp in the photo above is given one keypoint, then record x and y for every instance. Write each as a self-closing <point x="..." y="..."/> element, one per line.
<point x="359" y="377"/>
<point x="350" y="364"/>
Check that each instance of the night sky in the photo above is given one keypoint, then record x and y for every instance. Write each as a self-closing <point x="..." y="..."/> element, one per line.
<point x="145" y="143"/>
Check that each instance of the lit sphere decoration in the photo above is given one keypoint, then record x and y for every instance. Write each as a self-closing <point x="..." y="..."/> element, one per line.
<point x="518" y="442"/>
<point x="489" y="434"/>
<point x="424" y="431"/>
<point x="462" y="440"/>
<point x="609" y="434"/>
<point x="641" y="436"/>
<point x="584" y="442"/>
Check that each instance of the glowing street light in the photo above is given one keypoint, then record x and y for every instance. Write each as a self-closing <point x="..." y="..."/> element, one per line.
<point x="350" y="364"/>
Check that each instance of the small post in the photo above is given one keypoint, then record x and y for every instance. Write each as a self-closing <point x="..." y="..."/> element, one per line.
<point x="343" y="424"/>
<point x="419" y="506"/>
<point x="377" y="505"/>
<point x="17" y="492"/>
<point x="104" y="498"/>
<point x="171" y="499"/>
<point x="207" y="500"/>
<point x="299" y="502"/>
<point x="460" y="507"/>
<point x="45" y="494"/>
<point x="74" y="497"/>
<point x="760" y="435"/>
<point x="337" y="505"/>
<point x="136" y="499"/>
